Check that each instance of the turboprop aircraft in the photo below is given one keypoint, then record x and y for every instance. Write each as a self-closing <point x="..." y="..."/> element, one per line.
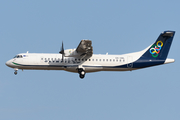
<point x="82" y="60"/>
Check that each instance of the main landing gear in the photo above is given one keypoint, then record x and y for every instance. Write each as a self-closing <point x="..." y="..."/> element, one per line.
<point x="81" y="73"/>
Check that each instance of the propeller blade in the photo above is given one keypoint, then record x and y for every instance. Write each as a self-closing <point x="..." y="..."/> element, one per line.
<point x="62" y="57"/>
<point x="62" y="49"/>
<point x="62" y="52"/>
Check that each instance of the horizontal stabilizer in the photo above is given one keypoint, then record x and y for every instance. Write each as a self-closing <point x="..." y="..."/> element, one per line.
<point x="169" y="61"/>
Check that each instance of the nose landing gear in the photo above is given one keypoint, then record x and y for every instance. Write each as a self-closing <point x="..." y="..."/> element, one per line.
<point x="15" y="71"/>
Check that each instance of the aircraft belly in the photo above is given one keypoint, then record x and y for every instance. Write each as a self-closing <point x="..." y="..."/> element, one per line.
<point x="40" y="67"/>
<point x="116" y="69"/>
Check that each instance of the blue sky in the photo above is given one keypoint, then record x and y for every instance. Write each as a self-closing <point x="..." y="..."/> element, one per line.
<point x="116" y="27"/>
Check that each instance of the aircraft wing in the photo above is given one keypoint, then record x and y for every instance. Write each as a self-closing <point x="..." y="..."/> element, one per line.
<point x="85" y="48"/>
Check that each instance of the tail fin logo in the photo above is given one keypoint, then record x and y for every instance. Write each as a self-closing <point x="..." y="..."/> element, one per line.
<point x="155" y="49"/>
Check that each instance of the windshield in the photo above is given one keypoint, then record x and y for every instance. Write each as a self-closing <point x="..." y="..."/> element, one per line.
<point x="18" y="56"/>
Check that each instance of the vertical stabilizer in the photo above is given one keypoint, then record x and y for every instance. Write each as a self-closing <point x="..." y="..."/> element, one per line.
<point x="157" y="53"/>
<point x="160" y="49"/>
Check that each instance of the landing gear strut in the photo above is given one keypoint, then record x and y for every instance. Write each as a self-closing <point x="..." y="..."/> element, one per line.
<point x="81" y="73"/>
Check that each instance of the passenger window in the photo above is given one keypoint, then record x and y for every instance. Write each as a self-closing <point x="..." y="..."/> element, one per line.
<point x="96" y="59"/>
<point x="99" y="59"/>
<point x="57" y="60"/>
<point x="89" y="59"/>
<point x="45" y="59"/>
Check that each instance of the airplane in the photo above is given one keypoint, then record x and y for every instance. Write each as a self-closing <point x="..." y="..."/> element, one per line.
<point x="82" y="60"/>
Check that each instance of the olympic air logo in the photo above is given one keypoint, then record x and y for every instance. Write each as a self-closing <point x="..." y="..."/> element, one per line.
<point x="155" y="49"/>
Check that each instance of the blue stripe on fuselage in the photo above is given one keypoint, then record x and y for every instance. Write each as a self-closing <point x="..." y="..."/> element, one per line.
<point x="147" y="63"/>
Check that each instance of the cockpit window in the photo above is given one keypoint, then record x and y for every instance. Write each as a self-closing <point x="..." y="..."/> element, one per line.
<point x="18" y="56"/>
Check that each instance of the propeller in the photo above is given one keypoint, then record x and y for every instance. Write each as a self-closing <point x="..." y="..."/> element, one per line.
<point x="62" y="51"/>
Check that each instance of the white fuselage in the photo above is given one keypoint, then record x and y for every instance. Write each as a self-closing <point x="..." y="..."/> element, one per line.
<point x="55" y="62"/>
<point x="92" y="64"/>
<point x="96" y="62"/>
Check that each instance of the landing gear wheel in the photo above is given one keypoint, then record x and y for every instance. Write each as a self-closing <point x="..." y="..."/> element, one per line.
<point x="15" y="72"/>
<point x="81" y="76"/>
<point x="81" y="73"/>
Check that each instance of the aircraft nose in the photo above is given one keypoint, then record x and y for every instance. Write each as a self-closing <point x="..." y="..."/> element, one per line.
<point x="8" y="63"/>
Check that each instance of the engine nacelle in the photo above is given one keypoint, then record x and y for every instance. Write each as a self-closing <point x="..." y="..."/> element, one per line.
<point x="70" y="53"/>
